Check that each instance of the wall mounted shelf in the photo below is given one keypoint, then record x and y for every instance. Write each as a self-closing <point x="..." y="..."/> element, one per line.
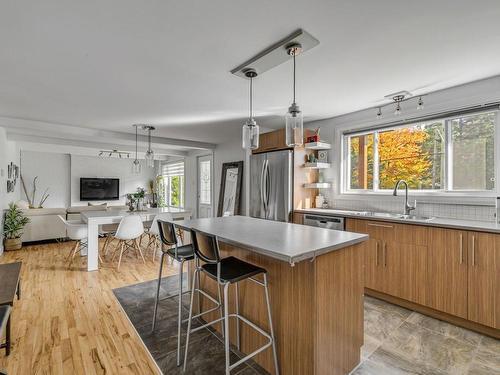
<point x="317" y="165"/>
<point x="318" y="185"/>
<point x="318" y="146"/>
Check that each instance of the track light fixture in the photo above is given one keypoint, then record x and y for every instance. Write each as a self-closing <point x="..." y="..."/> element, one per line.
<point x="397" y="99"/>
<point x="420" y="104"/>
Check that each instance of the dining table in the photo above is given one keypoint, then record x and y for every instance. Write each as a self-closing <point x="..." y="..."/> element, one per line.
<point x="94" y="219"/>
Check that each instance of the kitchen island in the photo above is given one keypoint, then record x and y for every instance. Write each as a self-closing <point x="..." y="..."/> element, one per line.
<point x="316" y="289"/>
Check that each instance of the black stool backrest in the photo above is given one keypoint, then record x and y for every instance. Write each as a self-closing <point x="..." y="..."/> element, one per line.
<point x="167" y="233"/>
<point x="205" y="246"/>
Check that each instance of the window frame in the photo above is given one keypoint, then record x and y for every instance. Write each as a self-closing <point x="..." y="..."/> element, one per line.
<point x="167" y="180"/>
<point x="345" y="173"/>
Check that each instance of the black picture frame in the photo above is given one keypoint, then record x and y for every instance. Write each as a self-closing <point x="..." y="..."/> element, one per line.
<point x="237" y="198"/>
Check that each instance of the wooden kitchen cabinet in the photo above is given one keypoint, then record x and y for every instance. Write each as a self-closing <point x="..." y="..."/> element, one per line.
<point x="484" y="278"/>
<point x="447" y="271"/>
<point x="275" y="140"/>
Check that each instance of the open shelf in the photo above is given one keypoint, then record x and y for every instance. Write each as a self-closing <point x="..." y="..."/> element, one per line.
<point x="318" y="185"/>
<point x="318" y="146"/>
<point x="317" y="165"/>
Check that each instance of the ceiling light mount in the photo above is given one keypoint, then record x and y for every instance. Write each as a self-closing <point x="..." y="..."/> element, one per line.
<point x="294" y="49"/>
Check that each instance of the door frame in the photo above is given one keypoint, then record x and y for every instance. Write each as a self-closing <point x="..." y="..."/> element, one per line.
<point x="198" y="157"/>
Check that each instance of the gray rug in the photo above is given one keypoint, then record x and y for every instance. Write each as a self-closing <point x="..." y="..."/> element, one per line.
<point x="206" y="351"/>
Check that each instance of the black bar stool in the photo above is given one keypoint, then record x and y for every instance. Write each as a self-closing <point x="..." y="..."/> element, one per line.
<point x="227" y="271"/>
<point x="181" y="254"/>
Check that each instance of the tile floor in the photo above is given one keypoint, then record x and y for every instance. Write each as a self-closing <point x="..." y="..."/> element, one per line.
<point x="400" y="341"/>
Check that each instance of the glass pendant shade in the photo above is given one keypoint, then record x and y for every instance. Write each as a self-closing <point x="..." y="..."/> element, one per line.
<point x="294" y="126"/>
<point x="150" y="158"/>
<point x="136" y="167"/>
<point x="250" y="135"/>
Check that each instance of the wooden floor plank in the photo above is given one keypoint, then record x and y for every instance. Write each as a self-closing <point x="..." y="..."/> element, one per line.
<point x="68" y="320"/>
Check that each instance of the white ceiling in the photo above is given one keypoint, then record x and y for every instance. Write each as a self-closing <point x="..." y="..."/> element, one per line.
<point x="109" y="64"/>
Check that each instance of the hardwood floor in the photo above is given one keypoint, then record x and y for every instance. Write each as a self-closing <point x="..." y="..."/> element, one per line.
<point x="68" y="321"/>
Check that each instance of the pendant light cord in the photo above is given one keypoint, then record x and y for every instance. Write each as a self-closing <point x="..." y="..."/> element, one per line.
<point x="149" y="139"/>
<point x="294" y="78"/>
<point x="251" y="97"/>
<point x="135" y="142"/>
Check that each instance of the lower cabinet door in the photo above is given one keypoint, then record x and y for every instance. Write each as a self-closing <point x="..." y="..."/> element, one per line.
<point x="405" y="270"/>
<point x="484" y="279"/>
<point x="447" y="271"/>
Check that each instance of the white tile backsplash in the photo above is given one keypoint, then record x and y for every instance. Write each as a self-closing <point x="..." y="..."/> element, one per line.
<point x="452" y="211"/>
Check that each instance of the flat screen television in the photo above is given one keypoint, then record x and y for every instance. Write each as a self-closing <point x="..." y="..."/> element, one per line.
<point x="99" y="189"/>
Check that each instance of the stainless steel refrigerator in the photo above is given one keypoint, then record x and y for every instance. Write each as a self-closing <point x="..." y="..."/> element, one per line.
<point x="271" y="185"/>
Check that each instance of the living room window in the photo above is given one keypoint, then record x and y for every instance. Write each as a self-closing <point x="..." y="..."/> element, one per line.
<point x="453" y="154"/>
<point x="171" y="185"/>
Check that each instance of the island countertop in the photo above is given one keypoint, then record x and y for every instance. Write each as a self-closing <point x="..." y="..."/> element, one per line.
<point x="283" y="241"/>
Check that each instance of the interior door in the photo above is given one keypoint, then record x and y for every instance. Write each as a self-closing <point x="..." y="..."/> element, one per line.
<point x="205" y="204"/>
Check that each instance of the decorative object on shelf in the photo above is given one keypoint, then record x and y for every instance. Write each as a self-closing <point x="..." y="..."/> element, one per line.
<point x="230" y="189"/>
<point x="398" y="98"/>
<point x="114" y="154"/>
<point x="323" y="156"/>
<point x="12" y="176"/>
<point x="250" y="132"/>
<point x="311" y="158"/>
<point x="136" y="164"/>
<point x="319" y="201"/>
<point x="150" y="155"/>
<point x="317" y="146"/>
<point x="294" y="120"/>
<point x="13" y="226"/>
<point x="325" y="204"/>
<point x="31" y="197"/>
<point x="314" y="137"/>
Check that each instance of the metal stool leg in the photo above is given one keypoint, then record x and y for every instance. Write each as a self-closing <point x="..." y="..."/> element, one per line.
<point x="237" y="305"/>
<point x="226" y="326"/>
<point x="158" y="291"/>
<point x="271" y="325"/>
<point x="221" y="308"/>
<point x="193" y="288"/>
<point x="179" y="315"/>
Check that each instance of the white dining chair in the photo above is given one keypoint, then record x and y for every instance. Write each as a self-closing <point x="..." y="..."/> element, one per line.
<point x="76" y="231"/>
<point x="153" y="232"/>
<point x="128" y="233"/>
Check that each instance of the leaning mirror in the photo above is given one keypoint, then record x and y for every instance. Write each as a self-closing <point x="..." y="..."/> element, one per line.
<point x="230" y="189"/>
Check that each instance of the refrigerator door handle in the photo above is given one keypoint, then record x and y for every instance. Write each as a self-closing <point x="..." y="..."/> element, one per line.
<point x="268" y="182"/>
<point x="262" y="186"/>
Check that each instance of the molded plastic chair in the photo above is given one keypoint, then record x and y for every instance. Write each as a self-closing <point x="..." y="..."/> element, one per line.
<point x="76" y="231"/>
<point x="128" y="233"/>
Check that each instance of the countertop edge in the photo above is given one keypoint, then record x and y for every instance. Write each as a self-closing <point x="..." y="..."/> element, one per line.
<point x="437" y="222"/>
<point x="291" y="260"/>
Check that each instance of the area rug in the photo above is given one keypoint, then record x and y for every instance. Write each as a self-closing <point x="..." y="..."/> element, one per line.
<point x="206" y="351"/>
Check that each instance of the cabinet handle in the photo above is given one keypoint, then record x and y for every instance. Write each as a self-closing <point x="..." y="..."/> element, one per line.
<point x="461" y="248"/>
<point x="384" y="253"/>
<point x="376" y="253"/>
<point x="380" y="225"/>
<point x="473" y="250"/>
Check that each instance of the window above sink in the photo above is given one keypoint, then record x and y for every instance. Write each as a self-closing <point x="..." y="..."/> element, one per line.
<point x="441" y="156"/>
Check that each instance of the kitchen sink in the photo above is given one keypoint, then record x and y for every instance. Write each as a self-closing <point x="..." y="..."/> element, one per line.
<point x="402" y="216"/>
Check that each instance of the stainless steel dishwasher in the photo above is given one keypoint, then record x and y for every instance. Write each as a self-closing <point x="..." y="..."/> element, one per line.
<point x="322" y="221"/>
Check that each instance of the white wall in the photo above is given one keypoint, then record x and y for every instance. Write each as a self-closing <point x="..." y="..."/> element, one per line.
<point x="52" y="170"/>
<point x="9" y="152"/>
<point x="89" y="166"/>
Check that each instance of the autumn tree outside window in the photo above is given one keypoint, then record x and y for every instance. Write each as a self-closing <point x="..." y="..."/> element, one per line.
<point x="449" y="154"/>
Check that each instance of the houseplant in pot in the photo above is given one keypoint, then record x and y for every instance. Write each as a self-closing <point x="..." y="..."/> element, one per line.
<point x="13" y="227"/>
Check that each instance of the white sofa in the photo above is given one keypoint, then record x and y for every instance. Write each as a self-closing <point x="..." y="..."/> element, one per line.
<point x="44" y="224"/>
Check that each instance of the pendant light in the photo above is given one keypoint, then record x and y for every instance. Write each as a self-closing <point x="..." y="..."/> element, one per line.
<point x="150" y="155"/>
<point x="293" y="118"/>
<point x="136" y="165"/>
<point x="250" y="133"/>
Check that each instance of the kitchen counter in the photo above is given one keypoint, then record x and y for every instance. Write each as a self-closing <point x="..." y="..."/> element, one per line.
<point x="324" y="287"/>
<point x="282" y="241"/>
<point x="479" y="226"/>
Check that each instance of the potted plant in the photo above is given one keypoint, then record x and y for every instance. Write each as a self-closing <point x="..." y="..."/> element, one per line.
<point x="13" y="227"/>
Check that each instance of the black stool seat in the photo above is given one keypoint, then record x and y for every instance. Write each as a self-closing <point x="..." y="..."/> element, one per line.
<point x="185" y="252"/>
<point x="232" y="270"/>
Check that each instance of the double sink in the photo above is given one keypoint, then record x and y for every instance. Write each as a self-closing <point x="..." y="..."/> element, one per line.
<point x="387" y="215"/>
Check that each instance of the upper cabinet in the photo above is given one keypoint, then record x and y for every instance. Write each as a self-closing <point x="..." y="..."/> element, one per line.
<point x="272" y="141"/>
